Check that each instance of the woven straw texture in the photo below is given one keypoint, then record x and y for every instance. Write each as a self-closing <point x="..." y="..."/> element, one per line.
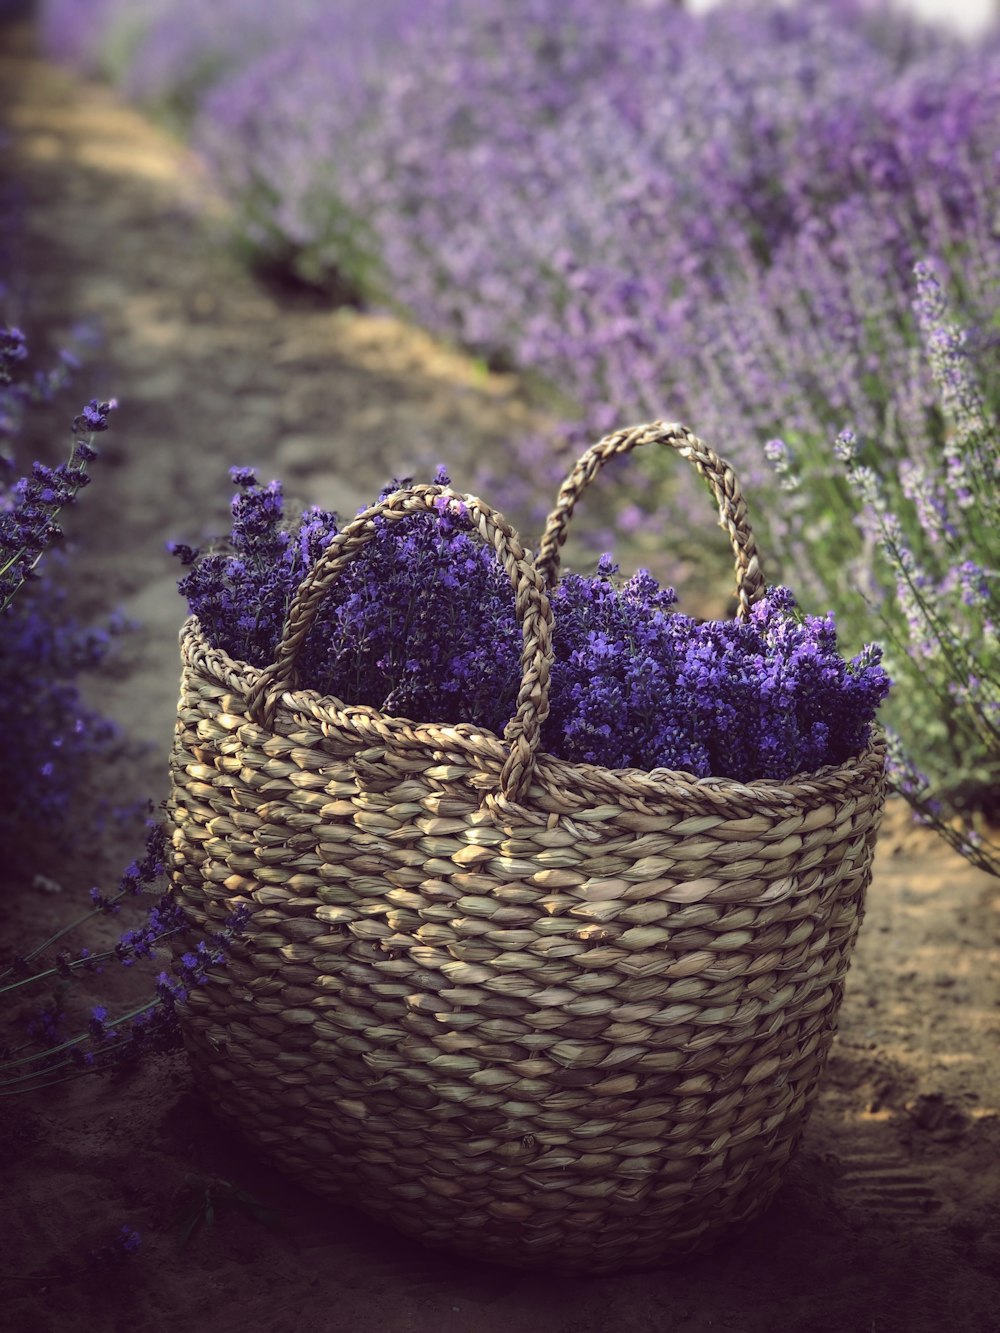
<point x="535" y="1012"/>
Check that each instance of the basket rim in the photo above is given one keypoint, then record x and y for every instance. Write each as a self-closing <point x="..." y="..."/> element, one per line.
<point x="489" y="752"/>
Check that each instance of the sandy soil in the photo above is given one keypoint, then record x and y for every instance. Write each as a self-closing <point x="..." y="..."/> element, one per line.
<point x="889" y="1220"/>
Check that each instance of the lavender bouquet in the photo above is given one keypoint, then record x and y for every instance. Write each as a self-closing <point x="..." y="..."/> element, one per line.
<point x="422" y="625"/>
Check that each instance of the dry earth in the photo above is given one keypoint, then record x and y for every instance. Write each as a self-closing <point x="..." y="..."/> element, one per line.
<point x="890" y="1218"/>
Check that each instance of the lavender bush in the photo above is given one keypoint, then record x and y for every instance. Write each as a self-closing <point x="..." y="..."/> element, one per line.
<point x="422" y="625"/>
<point x="166" y="55"/>
<point x="933" y="527"/>
<point x="50" y="737"/>
<point x="52" y="743"/>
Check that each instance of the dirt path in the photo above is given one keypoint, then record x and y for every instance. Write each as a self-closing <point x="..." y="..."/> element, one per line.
<point x="890" y="1220"/>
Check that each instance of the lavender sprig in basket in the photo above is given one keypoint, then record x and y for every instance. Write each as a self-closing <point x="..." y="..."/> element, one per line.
<point x="525" y="1005"/>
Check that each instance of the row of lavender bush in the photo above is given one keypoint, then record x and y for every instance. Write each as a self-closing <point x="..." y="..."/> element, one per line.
<point x="55" y="747"/>
<point x="49" y="734"/>
<point x="776" y="222"/>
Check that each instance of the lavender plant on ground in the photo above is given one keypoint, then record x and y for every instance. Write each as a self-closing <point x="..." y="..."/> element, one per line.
<point x="912" y="511"/>
<point x="36" y="1049"/>
<point x="421" y="624"/>
<point x="49" y="736"/>
<point x="51" y="743"/>
<point x="934" y="535"/>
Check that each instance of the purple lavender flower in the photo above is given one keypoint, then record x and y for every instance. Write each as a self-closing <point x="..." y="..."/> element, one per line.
<point x="782" y="460"/>
<point x="94" y="416"/>
<point x="975" y="583"/>
<point x="129" y="1240"/>
<point x="29" y="509"/>
<point x="110" y="1041"/>
<point x="970" y="464"/>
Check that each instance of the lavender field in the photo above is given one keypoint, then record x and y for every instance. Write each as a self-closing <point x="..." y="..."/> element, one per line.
<point x="335" y="244"/>
<point x="776" y="223"/>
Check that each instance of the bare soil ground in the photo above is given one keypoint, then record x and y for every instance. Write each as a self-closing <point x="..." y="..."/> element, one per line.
<point x="889" y="1221"/>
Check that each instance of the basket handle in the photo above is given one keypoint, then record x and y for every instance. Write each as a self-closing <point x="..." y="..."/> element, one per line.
<point x="716" y="471"/>
<point x="534" y="615"/>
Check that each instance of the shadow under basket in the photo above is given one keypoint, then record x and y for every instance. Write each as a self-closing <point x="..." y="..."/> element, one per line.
<point x="534" y="1012"/>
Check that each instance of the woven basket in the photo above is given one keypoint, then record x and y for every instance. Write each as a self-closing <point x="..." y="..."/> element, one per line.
<point x="533" y="1011"/>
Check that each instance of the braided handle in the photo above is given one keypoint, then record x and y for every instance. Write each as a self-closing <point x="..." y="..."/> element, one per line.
<point x="716" y="471"/>
<point x="534" y="615"/>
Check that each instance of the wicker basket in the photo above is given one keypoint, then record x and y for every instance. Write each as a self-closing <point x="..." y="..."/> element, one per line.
<point x="532" y="1011"/>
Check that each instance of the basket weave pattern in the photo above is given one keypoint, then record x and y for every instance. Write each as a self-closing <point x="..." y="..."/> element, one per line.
<point x="536" y="1012"/>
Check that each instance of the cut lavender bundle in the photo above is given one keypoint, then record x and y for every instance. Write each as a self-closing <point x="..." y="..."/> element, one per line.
<point x="422" y="625"/>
